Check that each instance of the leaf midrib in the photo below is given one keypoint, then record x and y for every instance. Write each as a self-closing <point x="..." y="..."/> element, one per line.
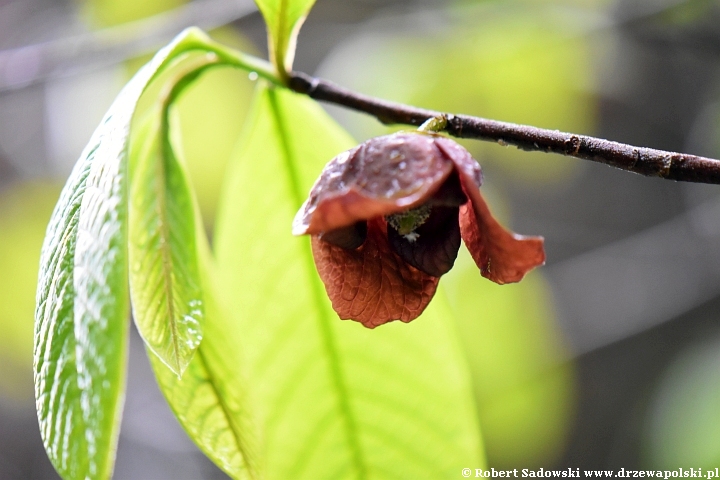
<point x="160" y="190"/>
<point x="280" y="47"/>
<point x="317" y="295"/>
<point x="227" y="412"/>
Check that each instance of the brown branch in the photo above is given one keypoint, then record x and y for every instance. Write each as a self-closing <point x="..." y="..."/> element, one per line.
<point x="645" y="161"/>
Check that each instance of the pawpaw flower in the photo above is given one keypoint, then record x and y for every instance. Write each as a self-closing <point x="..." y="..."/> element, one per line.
<point x="387" y="218"/>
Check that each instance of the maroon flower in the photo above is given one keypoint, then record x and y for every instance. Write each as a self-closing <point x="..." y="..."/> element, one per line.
<point x="386" y="219"/>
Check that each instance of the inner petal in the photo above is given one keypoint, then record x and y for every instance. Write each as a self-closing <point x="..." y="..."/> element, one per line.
<point x="350" y="237"/>
<point x="433" y="247"/>
<point x="450" y="193"/>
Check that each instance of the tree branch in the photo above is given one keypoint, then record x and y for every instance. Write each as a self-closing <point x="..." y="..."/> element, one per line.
<point x="645" y="161"/>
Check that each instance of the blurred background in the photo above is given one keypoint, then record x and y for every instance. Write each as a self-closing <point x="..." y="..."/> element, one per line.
<point x="607" y="357"/>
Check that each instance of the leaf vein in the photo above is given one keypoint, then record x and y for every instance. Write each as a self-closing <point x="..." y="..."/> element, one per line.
<point x="329" y="342"/>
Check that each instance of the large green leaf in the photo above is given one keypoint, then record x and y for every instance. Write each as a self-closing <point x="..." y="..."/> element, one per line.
<point x="82" y="306"/>
<point x="165" y="284"/>
<point x="332" y="399"/>
<point x="284" y="19"/>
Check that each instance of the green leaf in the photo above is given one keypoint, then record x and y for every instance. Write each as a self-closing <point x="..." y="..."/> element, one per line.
<point x="284" y="19"/>
<point x="332" y="398"/>
<point x="164" y="278"/>
<point x="165" y="282"/>
<point x="210" y="399"/>
<point x="81" y="314"/>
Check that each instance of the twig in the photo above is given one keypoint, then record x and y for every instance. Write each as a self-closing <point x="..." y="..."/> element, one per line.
<point x="645" y="161"/>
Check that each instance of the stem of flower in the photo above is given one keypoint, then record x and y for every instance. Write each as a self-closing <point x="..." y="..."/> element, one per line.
<point x="645" y="161"/>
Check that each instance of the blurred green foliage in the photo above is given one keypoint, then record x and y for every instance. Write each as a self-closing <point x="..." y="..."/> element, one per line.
<point x="683" y="415"/>
<point x="687" y="12"/>
<point x="107" y="13"/>
<point x="513" y="63"/>
<point x="25" y="209"/>
<point x="524" y="384"/>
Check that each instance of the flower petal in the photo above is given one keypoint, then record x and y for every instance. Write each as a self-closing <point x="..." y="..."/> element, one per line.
<point x="372" y="284"/>
<point x="502" y="256"/>
<point x="349" y="238"/>
<point x="467" y="167"/>
<point x="436" y="247"/>
<point x="382" y="176"/>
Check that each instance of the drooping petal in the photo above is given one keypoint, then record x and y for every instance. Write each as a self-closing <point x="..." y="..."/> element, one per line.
<point x="501" y="256"/>
<point x="382" y="176"/>
<point x="372" y="284"/>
